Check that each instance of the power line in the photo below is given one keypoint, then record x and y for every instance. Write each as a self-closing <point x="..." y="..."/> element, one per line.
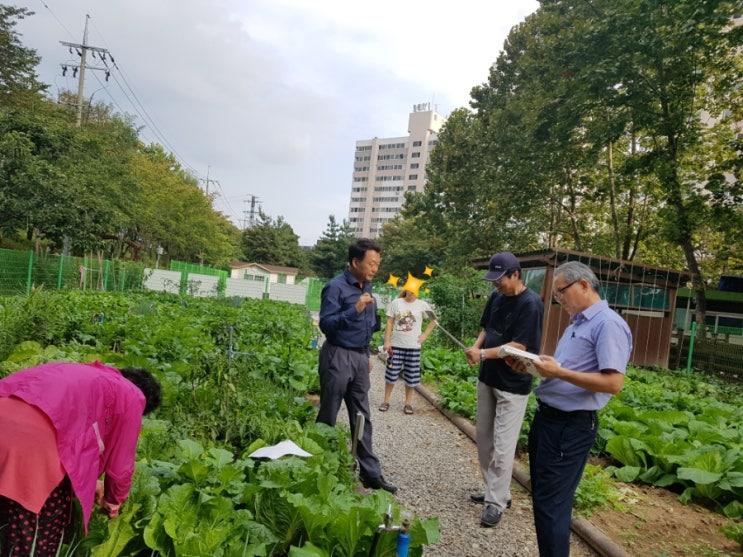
<point x="124" y="87"/>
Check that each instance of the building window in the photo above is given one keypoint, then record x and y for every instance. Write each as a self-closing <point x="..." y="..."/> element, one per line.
<point x="417" y="143"/>
<point x="416" y="155"/>
<point x="249" y="276"/>
<point x="414" y="165"/>
<point x="412" y="177"/>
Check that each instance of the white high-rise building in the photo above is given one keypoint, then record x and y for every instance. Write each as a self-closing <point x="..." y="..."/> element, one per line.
<point x="384" y="169"/>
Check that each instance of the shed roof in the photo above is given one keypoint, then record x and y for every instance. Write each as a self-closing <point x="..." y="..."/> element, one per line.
<point x="265" y="267"/>
<point x="605" y="267"/>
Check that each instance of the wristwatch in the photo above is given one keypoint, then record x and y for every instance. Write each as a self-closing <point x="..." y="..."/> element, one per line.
<point x="482" y="354"/>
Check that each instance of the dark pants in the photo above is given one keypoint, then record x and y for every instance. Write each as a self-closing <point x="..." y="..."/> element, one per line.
<point x="25" y="534"/>
<point x="344" y="377"/>
<point x="559" y="443"/>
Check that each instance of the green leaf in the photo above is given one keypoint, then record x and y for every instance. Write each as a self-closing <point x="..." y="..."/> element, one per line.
<point x="307" y="550"/>
<point x="120" y="533"/>
<point x="698" y="476"/>
<point x="627" y="473"/>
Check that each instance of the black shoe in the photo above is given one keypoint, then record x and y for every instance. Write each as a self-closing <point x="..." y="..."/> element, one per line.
<point x="378" y="483"/>
<point x="490" y="516"/>
<point x="479" y="498"/>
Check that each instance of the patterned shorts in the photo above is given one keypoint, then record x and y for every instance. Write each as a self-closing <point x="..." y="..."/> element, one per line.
<point x="25" y="534"/>
<point x="407" y="359"/>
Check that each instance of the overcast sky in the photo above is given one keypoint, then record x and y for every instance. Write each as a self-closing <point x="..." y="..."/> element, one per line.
<point x="267" y="98"/>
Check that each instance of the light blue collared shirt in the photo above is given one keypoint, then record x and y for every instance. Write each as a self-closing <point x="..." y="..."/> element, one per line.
<point x="598" y="338"/>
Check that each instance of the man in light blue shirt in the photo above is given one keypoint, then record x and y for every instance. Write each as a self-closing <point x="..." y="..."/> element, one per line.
<point x="587" y="369"/>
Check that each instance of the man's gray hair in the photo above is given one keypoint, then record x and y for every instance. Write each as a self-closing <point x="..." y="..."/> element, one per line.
<point x="575" y="270"/>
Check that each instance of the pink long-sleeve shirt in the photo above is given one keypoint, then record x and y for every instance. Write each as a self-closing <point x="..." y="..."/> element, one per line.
<point x="97" y="414"/>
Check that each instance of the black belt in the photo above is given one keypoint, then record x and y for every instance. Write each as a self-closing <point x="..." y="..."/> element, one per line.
<point x="362" y="350"/>
<point x="553" y="412"/>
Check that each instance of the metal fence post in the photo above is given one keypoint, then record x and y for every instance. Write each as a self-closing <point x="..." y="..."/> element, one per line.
<point x="691" y="345"/>
<point x="59" y="271"/>
<point x="106" y="271"/>
<point x="29" y="273"/>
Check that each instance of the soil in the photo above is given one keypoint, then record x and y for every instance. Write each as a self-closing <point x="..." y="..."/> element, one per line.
<point x="652" y="522"/>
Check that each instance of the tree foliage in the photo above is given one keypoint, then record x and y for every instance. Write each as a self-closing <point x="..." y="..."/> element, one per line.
<point x="606" y="126"/>
<point x="18" y="80"/>
<point x="94" y="188"/>
<point x="273" y="241"/>
<point x="330" y="254"/>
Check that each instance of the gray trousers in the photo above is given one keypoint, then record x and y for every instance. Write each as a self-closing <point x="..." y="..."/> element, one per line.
<point x="497" y="428"/>
<point x="344" y="377"/>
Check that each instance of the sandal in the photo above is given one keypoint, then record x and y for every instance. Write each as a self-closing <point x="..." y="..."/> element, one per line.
<point x="408" y="409"/>
<point x="384" y="407"/>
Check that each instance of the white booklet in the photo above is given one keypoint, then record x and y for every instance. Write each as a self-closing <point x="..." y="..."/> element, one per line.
<point x="527" y="358"/>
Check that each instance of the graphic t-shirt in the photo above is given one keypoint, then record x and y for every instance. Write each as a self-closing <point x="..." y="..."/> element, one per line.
<point x="407" y="321"/>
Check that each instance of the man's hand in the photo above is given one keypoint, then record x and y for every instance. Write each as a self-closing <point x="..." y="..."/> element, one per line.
<point x="548" y="366"/>
<point x="364" y="300"/>
<point x="473" y="355"/>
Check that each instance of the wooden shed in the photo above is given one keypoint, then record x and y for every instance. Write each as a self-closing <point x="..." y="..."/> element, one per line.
<point x="644" y="295"/>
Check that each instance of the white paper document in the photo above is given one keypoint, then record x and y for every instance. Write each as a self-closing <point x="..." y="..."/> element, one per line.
<point x="276" y="451"/>
<point x="527" y="358"/>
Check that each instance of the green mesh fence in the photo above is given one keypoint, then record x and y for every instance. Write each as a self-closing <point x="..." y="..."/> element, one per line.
<point x="719" y="351"/>
<point x="313" y="294"/>
<point x="192" y="268"/>
<point x="22" y="271"/>
<point x="15" y="271"/>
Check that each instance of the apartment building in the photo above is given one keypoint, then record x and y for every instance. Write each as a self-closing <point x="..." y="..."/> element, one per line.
<point x="384" y="169"/>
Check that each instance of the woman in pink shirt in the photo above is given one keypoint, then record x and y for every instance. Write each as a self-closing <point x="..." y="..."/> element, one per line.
<point x="64" y="425"/>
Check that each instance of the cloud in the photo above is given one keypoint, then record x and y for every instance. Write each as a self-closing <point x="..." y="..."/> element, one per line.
<point x="268" y="97"/>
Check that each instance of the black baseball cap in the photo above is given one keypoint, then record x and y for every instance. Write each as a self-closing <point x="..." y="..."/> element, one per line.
<point x="500" y="264"/>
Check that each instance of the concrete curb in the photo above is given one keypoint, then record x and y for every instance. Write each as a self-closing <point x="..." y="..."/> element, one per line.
<point x="594" y="537"/>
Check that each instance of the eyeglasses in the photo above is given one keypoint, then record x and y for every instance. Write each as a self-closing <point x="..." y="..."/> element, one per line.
<point x="560" y="292"/>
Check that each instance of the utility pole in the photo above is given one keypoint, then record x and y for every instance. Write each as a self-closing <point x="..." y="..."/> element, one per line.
<point x="252" y="213"/>
<point x="82" y="51"/>
<point x="208" y="181"/>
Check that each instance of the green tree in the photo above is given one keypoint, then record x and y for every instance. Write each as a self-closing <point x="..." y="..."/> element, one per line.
<point x="329" y="256"/>
<point x="96" y="188"/>
<point x="661" y="78"/>
<point x="272" y="241"/>
<point x="409" y="247"/>
<point x="457" y="207"/>
<point x="172" y="212"/>
<point x="18" y="79"/>
<point x="606" y="126"/>
<point x="36" y="198"/>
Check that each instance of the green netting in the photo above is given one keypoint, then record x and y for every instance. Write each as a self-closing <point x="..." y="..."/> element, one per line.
<point x="22" y="271"/>
<point x="14" y="271"/>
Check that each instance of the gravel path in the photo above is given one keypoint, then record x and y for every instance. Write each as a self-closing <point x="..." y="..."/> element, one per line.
<point x="434" y="464"/>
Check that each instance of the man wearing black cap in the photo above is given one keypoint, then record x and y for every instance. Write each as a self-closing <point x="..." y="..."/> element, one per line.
<point x="513" y="315"/>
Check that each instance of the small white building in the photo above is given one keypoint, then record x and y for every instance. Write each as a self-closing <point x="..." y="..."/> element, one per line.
<point x="275" y="274"/>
